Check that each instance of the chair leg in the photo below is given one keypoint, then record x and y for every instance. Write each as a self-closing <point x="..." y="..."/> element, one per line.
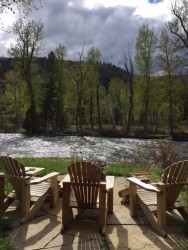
<point x="54" y="192"/>
<point x="102" y="209"/>
<point x="183" y="212"/>
<point x="110" y="200"/>
<point x="124" y="194"/>
<point x="152" y="219"/>
<point x="7" y="202"/>
<point x="25" y="199"/>
<point x="161" y="208"/>
<point x="66" y="208"/>
<point x="133" y="199"/>
<point x="35" y="207"/>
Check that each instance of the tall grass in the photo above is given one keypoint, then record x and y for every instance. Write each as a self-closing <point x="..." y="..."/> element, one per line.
<point x="5" y="226"/>
<point x="49" y="164"/>
<point x="125" y="169"/>
<point x="117" y="169"/>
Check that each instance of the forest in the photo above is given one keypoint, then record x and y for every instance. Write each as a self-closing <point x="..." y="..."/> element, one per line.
<point x="53" y="95"/>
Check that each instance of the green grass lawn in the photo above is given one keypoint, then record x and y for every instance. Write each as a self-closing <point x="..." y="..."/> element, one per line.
<point x="50" y="164"/>
<point x="117" y="169"/>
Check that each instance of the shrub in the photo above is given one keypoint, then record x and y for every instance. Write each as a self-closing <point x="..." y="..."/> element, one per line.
<point x="5" y="225"/>
<point x="159" y="153"/>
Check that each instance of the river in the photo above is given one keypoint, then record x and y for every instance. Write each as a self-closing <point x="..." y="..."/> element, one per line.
<point x="95" y="148"/>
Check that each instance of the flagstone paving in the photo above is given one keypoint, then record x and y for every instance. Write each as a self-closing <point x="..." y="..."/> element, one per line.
<point x="122" y="231"/>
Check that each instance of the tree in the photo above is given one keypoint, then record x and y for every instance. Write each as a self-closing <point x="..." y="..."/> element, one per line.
<point x="60" y="54"/>
<point x="117" y="94"/>
<point x="169" y="61"/>
<point x="178" y="26"/>
<point x="129" y="69"/>
<point x="22" y="5"/>
<point x="145" y="49"/>
<point x="49" y="92"/>
<point x="79" y="73"/>
<point x="29" y="44"/>
<point x="15" y="94"/>
<point x="93" y="59"/>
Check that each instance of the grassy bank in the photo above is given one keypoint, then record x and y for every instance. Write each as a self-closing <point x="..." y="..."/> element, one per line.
<point x="117" y="169"/>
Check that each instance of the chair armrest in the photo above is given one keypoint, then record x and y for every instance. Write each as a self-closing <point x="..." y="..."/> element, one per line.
<point x="65" y="179"/>
<point x="44" y="178"/>
<point x="15" y="177"/>
<point x="139" y="183"/>
<point x="109" y="182"/>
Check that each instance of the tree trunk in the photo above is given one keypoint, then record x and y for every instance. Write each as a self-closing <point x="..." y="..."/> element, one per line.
<point x="98" y="109"/>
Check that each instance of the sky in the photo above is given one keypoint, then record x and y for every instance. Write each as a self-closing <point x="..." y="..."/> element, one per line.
<point x="109" y="25"/>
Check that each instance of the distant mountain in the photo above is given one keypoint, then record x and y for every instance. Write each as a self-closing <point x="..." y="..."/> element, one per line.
<point x="5" y="66"/>
<point x="107" y="71"/>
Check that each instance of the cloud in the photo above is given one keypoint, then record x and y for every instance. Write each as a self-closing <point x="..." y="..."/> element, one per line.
<point x="110" y="27"/>
<point x="155" y="1"/>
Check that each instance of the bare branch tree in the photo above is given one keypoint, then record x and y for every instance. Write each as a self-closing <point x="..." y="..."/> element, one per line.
<point x="178" y="26"/>
<point x="129" y="69"/>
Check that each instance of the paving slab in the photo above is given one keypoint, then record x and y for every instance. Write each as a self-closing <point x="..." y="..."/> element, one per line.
<point x="122" y="231"/>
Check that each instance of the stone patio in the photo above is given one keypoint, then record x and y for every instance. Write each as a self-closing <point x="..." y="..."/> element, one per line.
<point x="122" y="231"/>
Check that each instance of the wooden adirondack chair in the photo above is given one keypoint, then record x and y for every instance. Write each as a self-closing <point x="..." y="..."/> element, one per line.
<point x="30" y="192"/>
<point x="84" y="191"/>
<point x="158" y="198"/>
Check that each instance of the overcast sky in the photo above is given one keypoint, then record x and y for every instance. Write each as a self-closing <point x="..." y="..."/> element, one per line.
<point x="110" y="25"/>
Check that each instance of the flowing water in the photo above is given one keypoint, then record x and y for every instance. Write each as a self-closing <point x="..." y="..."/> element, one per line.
<point x="107" y="149"/>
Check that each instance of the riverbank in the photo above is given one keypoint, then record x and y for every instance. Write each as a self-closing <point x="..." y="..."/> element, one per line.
<point x="109" y="149"/>
<point x="110" y="133"/>
<point x="118" y="132"/>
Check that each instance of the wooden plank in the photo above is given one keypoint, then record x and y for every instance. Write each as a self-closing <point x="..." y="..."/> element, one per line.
<point x="2" y="183"/>
<point x="84" y="172"/>
<point x="143" y="185"/>
<point x="133" y="200"/>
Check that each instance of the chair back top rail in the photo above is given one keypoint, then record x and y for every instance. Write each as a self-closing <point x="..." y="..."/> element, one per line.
<point x="84" y="171"/>
<point x="177" y="173"/>
<point x="12" y="168"/>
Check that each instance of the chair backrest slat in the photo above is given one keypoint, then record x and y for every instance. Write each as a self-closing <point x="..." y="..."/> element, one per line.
<point x="84" y="171"/>
<point x="87" y="194"/>
<point x="85" y="180"/>
<point x="176" y="173"/>
<point x="12" y="168"/>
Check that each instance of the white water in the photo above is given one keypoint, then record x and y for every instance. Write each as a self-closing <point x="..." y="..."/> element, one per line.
<point x="107" y="149"/>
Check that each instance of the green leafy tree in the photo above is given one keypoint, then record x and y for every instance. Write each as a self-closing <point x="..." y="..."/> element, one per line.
<point x="129" y="69"/>
<point x="145" y="49"/>
<point x="93" y="60"/>
<point x="61" y="78"/>
<point x="29" y="44"/>
<point x="117" y="101"/>
<point x="15" y="94"/>
<point x="178" y="26"/>
<point x="169" y="62"/>
<point x="79" y="71"/>
<point x="49" y="92"/>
